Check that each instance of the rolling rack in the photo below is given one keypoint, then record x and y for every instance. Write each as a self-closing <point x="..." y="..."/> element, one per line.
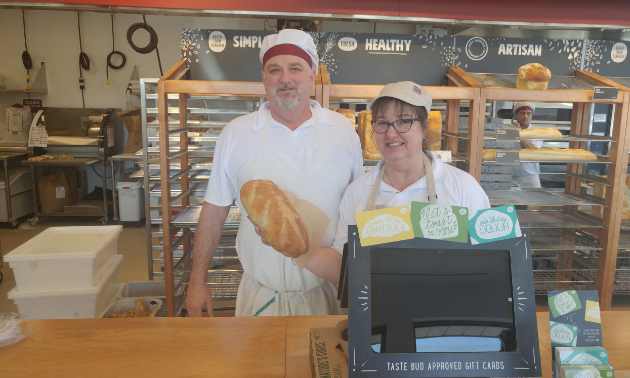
<point x="571" y="249"/>
<point x="179" y="162"/>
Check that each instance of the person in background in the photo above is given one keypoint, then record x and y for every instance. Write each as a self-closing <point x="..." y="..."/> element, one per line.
<point x="305" y="149"/>
<point x="526" y="175"/>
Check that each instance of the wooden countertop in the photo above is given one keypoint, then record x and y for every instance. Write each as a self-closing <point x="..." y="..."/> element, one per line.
<point x="212" y="347"/>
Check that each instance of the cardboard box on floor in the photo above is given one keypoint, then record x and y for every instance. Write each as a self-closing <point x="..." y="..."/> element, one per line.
<point x="57" y="188"/>
<point x="327" y="356"/>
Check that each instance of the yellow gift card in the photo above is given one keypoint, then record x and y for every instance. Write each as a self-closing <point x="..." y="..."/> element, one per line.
<point x="384" y="225"/>
<point x="592" y="312"/>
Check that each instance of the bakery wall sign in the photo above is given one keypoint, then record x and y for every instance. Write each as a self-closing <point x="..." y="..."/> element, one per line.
<point x="506" y="55"/>
<point x="607" y="58"/>
<point x="379" y="59"/>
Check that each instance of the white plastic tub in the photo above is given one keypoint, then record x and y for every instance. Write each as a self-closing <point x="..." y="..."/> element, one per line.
<point x="130" y="197"/>
<point x="69" y="303"/>
<point x="64" y="257"/>
<point x="123" y="305"/>
<point x="144" y="289"/>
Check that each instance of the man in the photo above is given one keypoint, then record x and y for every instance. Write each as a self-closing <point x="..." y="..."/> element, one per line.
<point x="526" y="174"/>
<point x="312" y="152"/>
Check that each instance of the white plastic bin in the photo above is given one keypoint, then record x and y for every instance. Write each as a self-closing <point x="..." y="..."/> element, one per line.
<point x="22" y="204"/>
<point x="69" y="303"/>
<point x="130" y="197"/>
<point x="123" y="305"/>
<point x="64" y="257"/>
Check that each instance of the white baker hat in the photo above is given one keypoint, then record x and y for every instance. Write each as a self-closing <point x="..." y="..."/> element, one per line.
<point x="408" y="92"/>
<point x="289" y="42"/>
<point x="520" y="105"/>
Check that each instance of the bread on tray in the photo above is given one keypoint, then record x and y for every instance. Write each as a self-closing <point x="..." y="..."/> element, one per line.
<point x="366" y="135"/>
<point x="545" y="133"/>
<point x="435" y="130"/>
<point x="348" y="113"/>
<point x="533" y="76"/>
<point x="544" y="154"/>
<point x="269" y="208"/>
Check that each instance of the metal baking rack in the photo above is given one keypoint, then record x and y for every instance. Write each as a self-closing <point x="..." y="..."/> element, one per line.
<point x="541" y="197"/>
<point x="189" y="216"/>
<point x="561" y="240"/>
<point x="494" y="80"/>
<point x="625" y="81"/>
<point x="622" y="274"/>
<point x="555" y="219"/>
<point x="565" y="138"/>
<point x="563" y="271"/>
<point x="625" y="224"/>
<point x="624" y="240"/>
<point x="601" y="159"/>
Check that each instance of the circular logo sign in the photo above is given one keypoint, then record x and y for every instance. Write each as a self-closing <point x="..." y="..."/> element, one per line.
<point x="403" y="210"/>
<point x="347" y="44"/>
<point x="476" y="48"/>
<point x="216" y="41"/>
<point x="619" y="52"/>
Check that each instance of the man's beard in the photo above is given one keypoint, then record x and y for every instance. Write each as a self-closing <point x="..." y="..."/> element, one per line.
<point x="286" y="103"/>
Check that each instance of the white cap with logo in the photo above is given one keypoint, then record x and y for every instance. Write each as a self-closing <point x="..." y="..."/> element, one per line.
<point x="408" y="92"/>
<point x="290" y="42"/>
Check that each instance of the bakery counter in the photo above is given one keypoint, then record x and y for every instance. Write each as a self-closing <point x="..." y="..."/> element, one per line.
<point x="217" y="347"/>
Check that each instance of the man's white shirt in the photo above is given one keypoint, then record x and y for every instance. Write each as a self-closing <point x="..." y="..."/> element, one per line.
<point x="527" y="169"/>
<point x="242" y="138"/>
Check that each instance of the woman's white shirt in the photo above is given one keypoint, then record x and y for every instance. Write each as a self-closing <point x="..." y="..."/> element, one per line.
<point x="453" y="187"/>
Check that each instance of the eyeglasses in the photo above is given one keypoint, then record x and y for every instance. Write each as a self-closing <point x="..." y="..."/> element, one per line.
<point x="380" y="126"/>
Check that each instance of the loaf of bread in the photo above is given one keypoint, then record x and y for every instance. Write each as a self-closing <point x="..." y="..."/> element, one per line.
<point x="348" y="113"/>
<point x="366" y="135"/>
<point x="545" y="133"/>
<point x="533" y="76"/>
<point x="599" y="190"/>
<point x="544" y="154"/>
<point x="435" y="130"/>
<point x="269" y="208"/>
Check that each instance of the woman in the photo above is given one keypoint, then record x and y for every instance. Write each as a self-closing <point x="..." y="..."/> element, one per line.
<point x="406" y="173"/>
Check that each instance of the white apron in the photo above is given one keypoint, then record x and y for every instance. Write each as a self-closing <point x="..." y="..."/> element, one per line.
<point x="379" y="179"/>
<point x="272" y="284"/>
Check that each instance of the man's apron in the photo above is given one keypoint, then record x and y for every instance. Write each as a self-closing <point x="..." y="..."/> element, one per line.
<point x="272" y="284"/>
<point x="379" y="179"/>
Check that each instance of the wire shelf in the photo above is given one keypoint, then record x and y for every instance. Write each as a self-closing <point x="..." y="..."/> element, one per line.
<point x="601" y="159"/>
<point x="625" y="224"/>
<point x="224" y="283"/>
<point x="622" y="282"/>
<point x="624" y="239"/>
<point x="540" y="198"/>
<point x="554" y="219"/>
<point x="560" y="240"/>
<point x="625" y="81"/>
<point x="563" y="271"/>
<point x="493" y="80"/>
<point x="190" y="217"/>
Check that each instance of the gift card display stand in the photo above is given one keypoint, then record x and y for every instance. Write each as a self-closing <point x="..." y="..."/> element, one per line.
<point x="432" y="308"/>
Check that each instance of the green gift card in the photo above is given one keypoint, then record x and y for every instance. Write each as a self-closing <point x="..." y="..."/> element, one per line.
<point x="443" y="222"/>
<point x="563" y="334"/>
<point x="494" y="224"/>
<point x="564" y="303"/>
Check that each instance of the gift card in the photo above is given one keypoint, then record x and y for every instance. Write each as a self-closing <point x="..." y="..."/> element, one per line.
<point x="592" y="312"/>
<point x="494" y="224"/>
<point x="384" y="225"/>
<point x="563" y="334"/>
<point x="563" y="303"/>
<point x="443" y="222"/>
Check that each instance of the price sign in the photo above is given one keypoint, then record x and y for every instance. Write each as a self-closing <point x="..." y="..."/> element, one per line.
<point x="507" y="158"/>
<point x="508" y="135"/>
<point x="34" y="104"/>
<point x="605" y="93"/>
<point x="443" y="156"/>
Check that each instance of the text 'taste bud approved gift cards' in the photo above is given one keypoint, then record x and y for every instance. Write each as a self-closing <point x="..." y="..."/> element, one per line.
<point x="442" y="222"/>
<point x="384" y="226"/>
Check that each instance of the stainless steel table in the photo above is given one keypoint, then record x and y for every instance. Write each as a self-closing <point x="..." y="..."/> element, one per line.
<point x="76" y="162"/>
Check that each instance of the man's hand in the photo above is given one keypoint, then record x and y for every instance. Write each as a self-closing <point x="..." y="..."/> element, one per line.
<point x="257" y="229"/>
<point x="198" y="295"/>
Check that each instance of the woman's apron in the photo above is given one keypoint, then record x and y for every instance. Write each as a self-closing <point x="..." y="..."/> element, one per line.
<point x="272" y="284"/>
<point x="379" y="179"/>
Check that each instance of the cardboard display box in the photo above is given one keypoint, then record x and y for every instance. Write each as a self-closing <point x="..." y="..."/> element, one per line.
<point x="327" y="357"/>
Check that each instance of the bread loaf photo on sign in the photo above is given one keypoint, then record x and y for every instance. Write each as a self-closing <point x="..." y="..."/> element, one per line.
<point x="270" y="209"/>
<point x="533" y="76"/>
<point x="544" y="154"/>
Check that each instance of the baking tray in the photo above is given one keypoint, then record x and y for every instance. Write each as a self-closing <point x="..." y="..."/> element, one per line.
<point x="493" y="80"/>
<point x="625" y="224"/>
<point x="560" y="240"/>
<point x="563" y="270"/>
<point x="625" y="81"/>
<point x="190" y="217"/>
<point x="541" y="197"/>
<point x="176" y="188"/>
<point x="624" y="239"/>
<point x="554" y="219"/>
<point x="601" y="159"/>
